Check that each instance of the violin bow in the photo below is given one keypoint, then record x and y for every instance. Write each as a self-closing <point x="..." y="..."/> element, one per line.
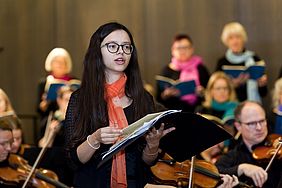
<point x="272" y="158"/>
<point x="191" y="172"/>
<point x="42" y="151"/>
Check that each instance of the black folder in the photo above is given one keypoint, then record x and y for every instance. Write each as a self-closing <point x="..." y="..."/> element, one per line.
<point x="193" y="135"/>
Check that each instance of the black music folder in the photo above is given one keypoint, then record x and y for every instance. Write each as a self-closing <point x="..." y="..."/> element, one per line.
<point x="193" y="134"/>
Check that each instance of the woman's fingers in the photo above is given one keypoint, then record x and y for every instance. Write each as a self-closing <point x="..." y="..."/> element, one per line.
<point x="108" y="135"/>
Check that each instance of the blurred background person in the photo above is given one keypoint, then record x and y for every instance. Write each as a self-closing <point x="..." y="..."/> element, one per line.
<point x="58" y="64"/>
<point x="218" y="106"/>
<point x="6" y="141"/>
<point x="220" y="100"/>
<point x="53" y="129"/>
<point x="184" y="66"/>
<point x="277" y="106"/>
<point x="7" y="114"/>
<point x="5" y="104"/>
<point x="52" y="136"/>
<point x="234" y="37"/>
<point x="16" y="127"/>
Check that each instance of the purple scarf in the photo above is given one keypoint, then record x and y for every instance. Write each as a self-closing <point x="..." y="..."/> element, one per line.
<point x="188" y="71"/>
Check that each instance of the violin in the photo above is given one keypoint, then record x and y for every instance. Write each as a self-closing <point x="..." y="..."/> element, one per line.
<point x="170" y="172"/>
<point x="264" y="153"/>
<point x="18" y="169"/>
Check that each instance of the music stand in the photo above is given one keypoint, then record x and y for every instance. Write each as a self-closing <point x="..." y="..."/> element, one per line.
<point x="193" y="134"/>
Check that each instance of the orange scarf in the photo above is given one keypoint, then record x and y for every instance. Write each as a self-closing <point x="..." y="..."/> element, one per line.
<point x="117" y="118"/>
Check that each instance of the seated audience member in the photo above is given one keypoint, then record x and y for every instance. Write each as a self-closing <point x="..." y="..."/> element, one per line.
<point x="277" y="106"/>
<point x="184" y="66"/>
<point x="58" y="64"/>
<point x="251" y="123"/>
<point x="234" y="38"/>
<point x="53" y="129"/>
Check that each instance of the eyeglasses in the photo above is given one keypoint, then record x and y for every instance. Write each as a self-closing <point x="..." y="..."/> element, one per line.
<point x="114" y="47"/>
<point x="253" y="124"/>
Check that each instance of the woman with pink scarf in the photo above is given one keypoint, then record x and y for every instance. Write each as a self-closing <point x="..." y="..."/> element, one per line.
<point x="184" y="66"/>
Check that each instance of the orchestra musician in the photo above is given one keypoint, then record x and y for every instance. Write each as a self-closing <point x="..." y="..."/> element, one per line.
<point x="7" y="113"/>
<point x="15" y="125"/>
<point x="250" y="121"/>
<point x="6" y="140"/>
<point x="227" y="182"/>
<point x="53" y="159"/>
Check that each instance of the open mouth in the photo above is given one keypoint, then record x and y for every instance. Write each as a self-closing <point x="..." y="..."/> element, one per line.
<point x="120" y="61"/>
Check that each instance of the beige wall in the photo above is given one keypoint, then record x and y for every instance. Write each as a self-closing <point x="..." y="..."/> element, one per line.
<point x="29" y="29"/>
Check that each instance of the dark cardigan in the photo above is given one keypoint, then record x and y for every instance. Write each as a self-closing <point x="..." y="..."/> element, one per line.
<point x="88" y="175"/>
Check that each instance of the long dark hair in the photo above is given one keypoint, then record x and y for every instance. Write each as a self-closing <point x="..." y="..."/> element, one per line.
<point x="91" y="113"/>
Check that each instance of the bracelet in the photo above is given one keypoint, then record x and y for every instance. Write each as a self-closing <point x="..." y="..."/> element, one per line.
<point x="93" y="147"/>
<point x="151" y="154"/>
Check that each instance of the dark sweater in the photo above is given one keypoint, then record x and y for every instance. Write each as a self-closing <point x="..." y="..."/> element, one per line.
<point x="228" y="164"/>
<point x="88" y="175"/>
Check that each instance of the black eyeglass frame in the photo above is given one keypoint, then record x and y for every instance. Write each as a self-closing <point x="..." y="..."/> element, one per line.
<point x="253" y="124"/>
<point x="119" y="45"/>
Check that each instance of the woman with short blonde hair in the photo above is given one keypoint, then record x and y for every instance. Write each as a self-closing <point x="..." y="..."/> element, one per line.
<point x="58" y="65"/>
<point x="58" y="52"/>
<point x="234" y="37"/>
<point x="233" y="28"/>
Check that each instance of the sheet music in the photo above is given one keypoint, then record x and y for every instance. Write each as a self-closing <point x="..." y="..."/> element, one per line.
<point x="137" y="128"/>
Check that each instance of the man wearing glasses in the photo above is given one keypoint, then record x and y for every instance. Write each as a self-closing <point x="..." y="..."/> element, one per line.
<point x="250" y="121"/>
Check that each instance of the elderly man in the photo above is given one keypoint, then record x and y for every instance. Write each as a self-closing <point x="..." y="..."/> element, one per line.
<point x="251" y="123"/>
